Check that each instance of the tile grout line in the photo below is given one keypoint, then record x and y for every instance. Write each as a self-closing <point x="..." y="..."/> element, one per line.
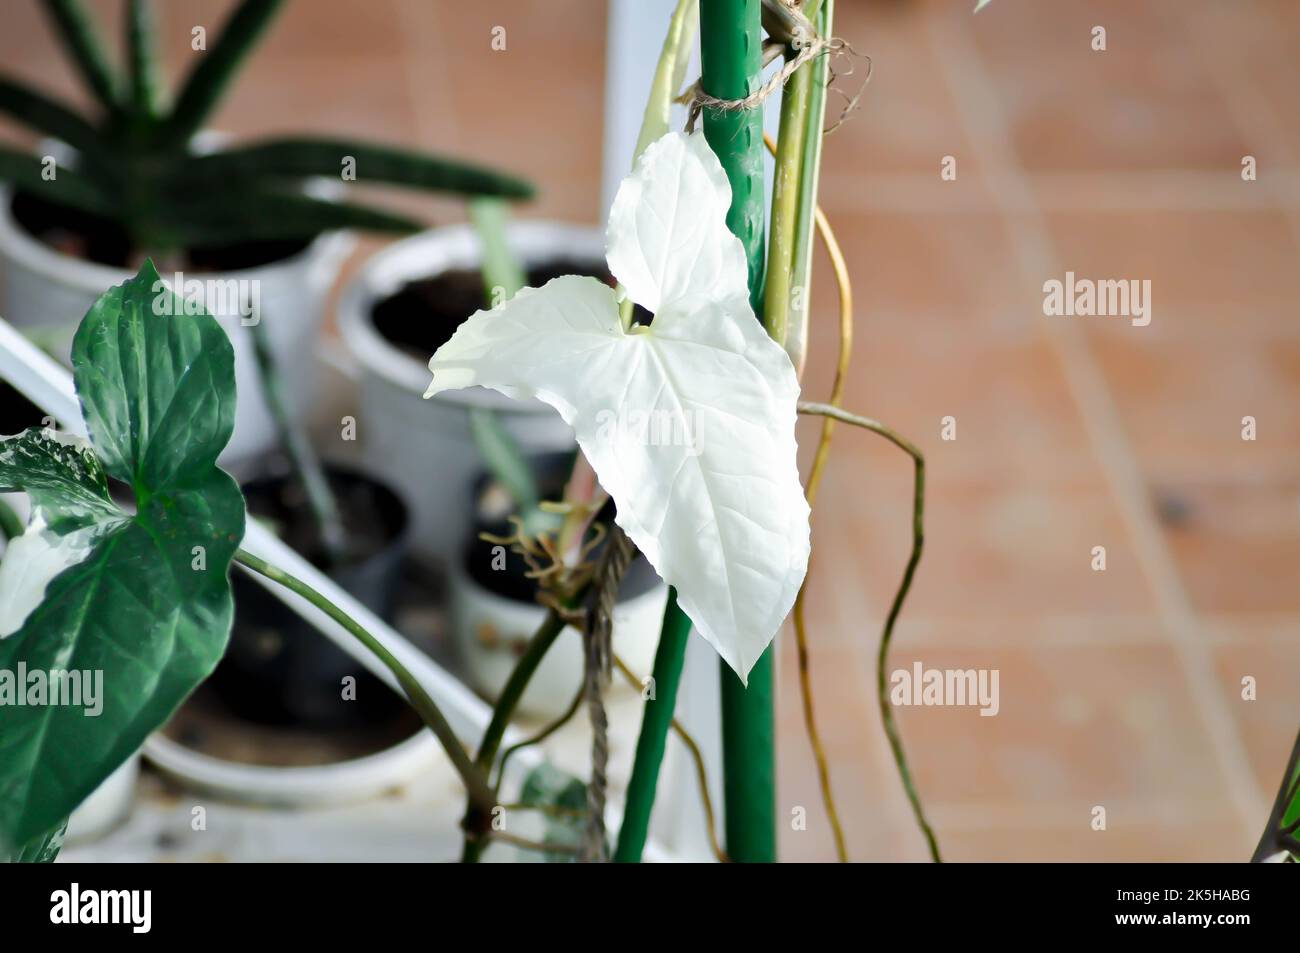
<point x="420" y="49"/>
<point x="971" y="87"/>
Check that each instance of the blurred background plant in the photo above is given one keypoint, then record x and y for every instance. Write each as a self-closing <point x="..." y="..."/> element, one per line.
<point x="140" y="183"/>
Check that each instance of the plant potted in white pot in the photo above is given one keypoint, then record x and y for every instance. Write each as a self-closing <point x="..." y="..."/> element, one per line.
<point x="255" y="229"/>
<point x="404" y="303"/>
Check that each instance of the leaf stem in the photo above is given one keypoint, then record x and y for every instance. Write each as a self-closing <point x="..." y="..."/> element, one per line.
<point x="796" y="335"/>
<point x="471" y="775"/>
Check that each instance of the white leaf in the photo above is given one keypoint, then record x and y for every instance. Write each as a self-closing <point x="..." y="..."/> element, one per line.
<point x="667" y="239"/>
<point x="30" y="564"/>
<point x="688" y="423"/>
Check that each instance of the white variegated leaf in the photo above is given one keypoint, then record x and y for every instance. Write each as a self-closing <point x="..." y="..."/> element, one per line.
<point x="689" y="422"/>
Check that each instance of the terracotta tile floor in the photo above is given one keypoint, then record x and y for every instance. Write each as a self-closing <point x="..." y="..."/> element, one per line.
<point x="1120" y="688"/>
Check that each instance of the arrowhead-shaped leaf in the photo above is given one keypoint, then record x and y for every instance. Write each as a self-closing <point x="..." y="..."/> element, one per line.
<point x="138" y="599"/>
<point x="688" y="422"/>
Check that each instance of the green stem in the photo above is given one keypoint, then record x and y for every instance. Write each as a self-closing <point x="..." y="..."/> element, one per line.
<point x="302" y="456"/>
<point x="731" y="61"/>
<point x="787" y="195"/>
<point x="516" y="685"/>
<point x="473" y="777"/>
<point x="796" y="334"/>
<point x="476" y="818"/>
<point x="502" y="274"/>
<point x="655" y="722"/>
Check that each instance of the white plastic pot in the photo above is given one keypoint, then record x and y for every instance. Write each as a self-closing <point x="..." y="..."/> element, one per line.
<point x="46" y="294"/>
<point x="342" y="782"/>
<point x="489" y="631"/>
<point x="424" y="446"/>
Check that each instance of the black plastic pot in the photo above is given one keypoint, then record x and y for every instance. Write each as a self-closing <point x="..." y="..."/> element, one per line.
<point x="278" y="669"/>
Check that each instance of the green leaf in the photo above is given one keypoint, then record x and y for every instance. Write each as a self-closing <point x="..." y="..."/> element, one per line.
<point x="216" y="68"/>
<point x="144" y="87"/>
<point x="80" y="38"/>
<point x="47" y="116"/>
<point x="1281" y="839"/>
<point x="42" y="849"/>
<point x="146" y="600"/>
<point x="563" y="800"/>
<point x="374" y="163"/>
<point x="60" y="474"/>
<point x="68" y="188"/>
<point x="246" y="215"/>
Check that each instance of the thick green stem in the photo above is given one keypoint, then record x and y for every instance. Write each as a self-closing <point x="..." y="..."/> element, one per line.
<point x="731" y="61"/>
<point x="655" y="722"/>
<point x="731" y="47"/>
<point x="473" y="777"/>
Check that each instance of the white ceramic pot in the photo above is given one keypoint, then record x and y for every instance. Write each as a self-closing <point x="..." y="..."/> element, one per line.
<point x="46" y="293"/>
<point x="341" y="782"/>
<point x="489" y="631"/>
<point x="424" y="446"/>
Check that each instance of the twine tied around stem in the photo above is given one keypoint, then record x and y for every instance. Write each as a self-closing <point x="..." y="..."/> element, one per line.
<point x="696" y="99"/>
<point x="598" y="635"/>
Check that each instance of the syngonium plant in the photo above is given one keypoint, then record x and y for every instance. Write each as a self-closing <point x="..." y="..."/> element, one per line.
<point x="133" y="586"/>
<point x="138" y="170"/>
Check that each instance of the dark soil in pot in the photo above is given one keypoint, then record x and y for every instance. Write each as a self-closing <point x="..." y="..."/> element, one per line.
<point x="102" y="241"/>
<point x="422" y="315"/>
<point x="483" y="562"/>
<point x="279" y="670"/>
